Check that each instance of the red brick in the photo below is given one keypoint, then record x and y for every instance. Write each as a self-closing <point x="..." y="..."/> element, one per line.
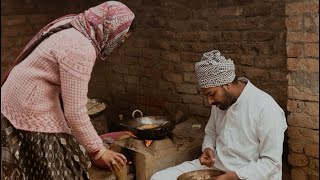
<point x="258" y="36"/>
<point x="174" y="107"/>
<point x="135" y="70"/>
<point x="314" y="164"/>
<point x="7" y="42"/>
<point x="131" y="79"/>
<point x="296" y="146"/>
<point x="171" y="97"/>
<point x="294" y="23"/>
<point x="165" y="85"/>
<point x="167" y="35"/>
<point x="199" y="110"/>
<point x="153" y="110"/>
<point x="188" y="36"/>
<point x="151" y="73"/>
<point x="298" y="174"/>
<point x="201" y="13"/>
<point x="233" y="36"/>
<point x="179" y="25"/>
<point x="193" y="57"/>
<point x="182" y="14"/>
<point x="133" y="52"/>
<point x="13" y="20"/>
<point x="270" y="62"/>
<point x="259" y="48"/>
<point x="312" y="49"/>
<point x="187" y="67"/>
<point x="293" y="64"/>
<point x="210" y="36"/>
<point x="23" y="41"/>
<point x="292" y="105"/>
<point x="12" y="31"/>
<point x="312" y="108"/>
<point x="296" y="159"/>
<point x="278" y="76"/>
<point x="129" y="60"/>
<point x="189" y="77"/>
<point x="302" y="37"/>
<point x="247" y="60"/>
<point x="255" y="73"/>
<point x="230" y="11"/>
<point x="311" y="65"/>
<point x="307" y="23"/>
<point x="303" y="134"/>
<point x="169" y="56"/>
<point x="308" y="65"/>
<point x="294" y="50"/>
<point x="187" y="89"/>
<point x="39" y="19"/>
<point x="303" y="120"/>
<point x="192" y="99"/>
<point x="302" y="94"/>
<point x="172" y="77"/>
<point x="300" y="8"/>
<point x="312" y="150"/>
<point x="138" y="43"/>
<point x="150" y="53"/>
<point x="259" y="9"/>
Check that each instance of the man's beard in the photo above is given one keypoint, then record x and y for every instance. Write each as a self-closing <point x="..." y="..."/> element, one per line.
<point x="229" y="100"/>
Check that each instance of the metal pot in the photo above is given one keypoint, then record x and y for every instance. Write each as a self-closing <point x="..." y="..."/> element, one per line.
<point x="160" y="126"/>
<point x="205" y="174"/>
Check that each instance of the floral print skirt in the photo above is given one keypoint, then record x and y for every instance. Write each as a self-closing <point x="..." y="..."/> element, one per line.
<point x="32" y="155"/>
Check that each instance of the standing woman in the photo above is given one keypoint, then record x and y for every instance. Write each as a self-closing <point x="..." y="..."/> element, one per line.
<point x="46" y="132"/>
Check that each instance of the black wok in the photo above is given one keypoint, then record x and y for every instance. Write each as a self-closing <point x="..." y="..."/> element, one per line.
<point x="162" y="129"/>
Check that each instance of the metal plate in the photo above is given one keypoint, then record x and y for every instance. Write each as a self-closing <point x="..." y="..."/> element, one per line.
<point x="205" y="174"/>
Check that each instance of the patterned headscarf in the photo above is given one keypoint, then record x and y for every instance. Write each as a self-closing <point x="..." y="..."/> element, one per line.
<point x="214" y="70"/>
<point x="105" y="25"/>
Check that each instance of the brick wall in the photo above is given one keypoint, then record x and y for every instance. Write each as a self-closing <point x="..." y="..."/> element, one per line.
<point x="273" y="43"/>
<point x="155" y="69"/>
<point x="22" y="19"/>
<point x="303" y="88"/>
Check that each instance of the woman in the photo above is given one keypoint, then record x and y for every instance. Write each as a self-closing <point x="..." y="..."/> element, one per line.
<point x="37" y="131"/>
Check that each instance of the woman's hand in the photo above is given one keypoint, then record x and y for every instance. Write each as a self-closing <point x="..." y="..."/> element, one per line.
<point x="228" y="176"/>
<point x="207" y="158"/>
<point x="111" y="159"/>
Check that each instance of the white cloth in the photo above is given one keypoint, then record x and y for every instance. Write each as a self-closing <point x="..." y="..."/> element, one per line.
<point x="214" y="70"/>
<point x="247" y="138"/>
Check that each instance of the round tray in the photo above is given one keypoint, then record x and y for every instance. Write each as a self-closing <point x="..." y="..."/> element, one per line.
<point x="205" y="174"/>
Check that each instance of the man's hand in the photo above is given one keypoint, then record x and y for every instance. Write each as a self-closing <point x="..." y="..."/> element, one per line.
<point x="228" y="176"/>
<point x="207" y="158"/>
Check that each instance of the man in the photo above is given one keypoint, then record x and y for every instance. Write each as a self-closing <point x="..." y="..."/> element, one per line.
<point x="245" y="132"/>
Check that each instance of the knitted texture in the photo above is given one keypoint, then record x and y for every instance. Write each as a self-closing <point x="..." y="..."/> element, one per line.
<point x="214" y="70"/>
<point x="105" y="25"/>
<point x="30" y="97"/>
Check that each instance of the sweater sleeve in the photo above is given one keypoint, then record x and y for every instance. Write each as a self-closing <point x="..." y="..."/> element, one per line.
<point x="76" y="60"/>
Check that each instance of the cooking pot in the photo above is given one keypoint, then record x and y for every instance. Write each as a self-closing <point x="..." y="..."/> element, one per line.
<point x="149" y="127"/>
<point x="205" y="174"/>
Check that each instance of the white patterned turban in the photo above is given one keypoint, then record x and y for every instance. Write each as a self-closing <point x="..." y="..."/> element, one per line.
<point x="214" y="70"/>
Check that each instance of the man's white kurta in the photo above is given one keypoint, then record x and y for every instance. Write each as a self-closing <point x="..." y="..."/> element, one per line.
<point x="248" y="137"/>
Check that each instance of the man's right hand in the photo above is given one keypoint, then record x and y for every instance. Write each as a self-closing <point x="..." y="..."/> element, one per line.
<point x="207" y="158"/>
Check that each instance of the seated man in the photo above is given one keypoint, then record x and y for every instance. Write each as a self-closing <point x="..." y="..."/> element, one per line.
<point x="245" y="132"/>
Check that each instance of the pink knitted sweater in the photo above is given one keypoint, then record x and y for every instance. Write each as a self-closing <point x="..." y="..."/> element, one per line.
<point x="30" y="97"/>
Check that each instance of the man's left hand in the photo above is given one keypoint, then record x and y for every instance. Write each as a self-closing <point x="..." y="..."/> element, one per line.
<point x="228" y="176"/>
